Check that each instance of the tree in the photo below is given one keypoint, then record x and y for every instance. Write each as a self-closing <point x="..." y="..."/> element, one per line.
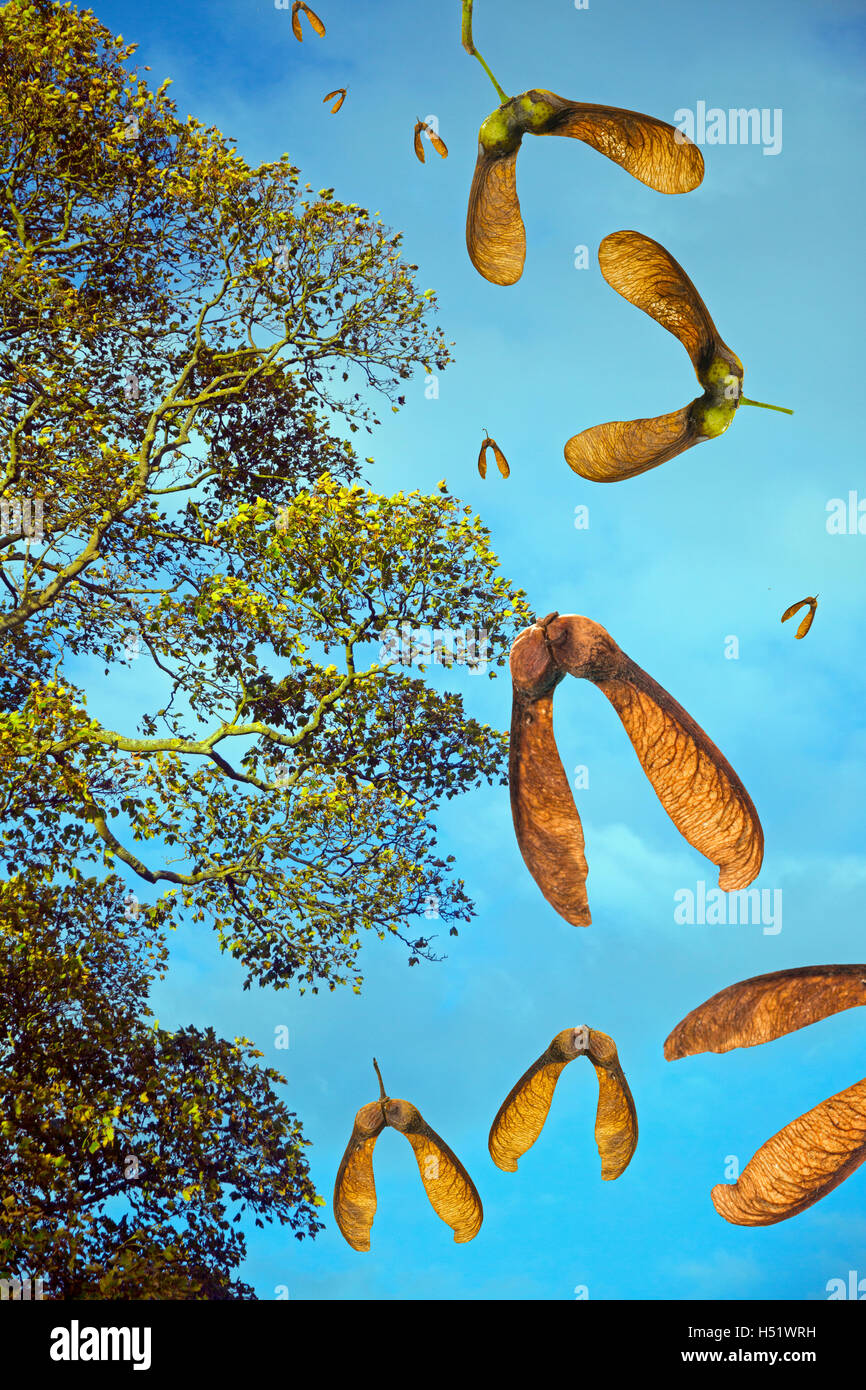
<point x="123" y="1145"/>
<point x="183" y="337"/>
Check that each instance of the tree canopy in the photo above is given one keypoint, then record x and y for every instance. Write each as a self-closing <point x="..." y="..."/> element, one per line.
<point x="181" y="334"/>
<point x="123" y="1145"/>
<point x="188" y="348"/>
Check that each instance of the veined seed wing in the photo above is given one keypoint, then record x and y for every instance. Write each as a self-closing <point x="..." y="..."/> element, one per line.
<point x="521" y="1116"/>
<point x="616" y="1116"/>
<point x="695" y="783"/>
<point x="452" y="1193"/>
<point x="647" y="275"/>
<point x="623" y="449"/>
<point x="355" y="1187"/>
<point x="800" y="1164"/>
<point x="649" y="149"/>
<point x="765" y="1007"/>
<point x="546" y="821"/>
<point x="495" y="235"/>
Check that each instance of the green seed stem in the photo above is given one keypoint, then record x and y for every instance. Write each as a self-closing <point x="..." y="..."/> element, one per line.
<point x="744" y="400"/>
<point x="469" y="45"/>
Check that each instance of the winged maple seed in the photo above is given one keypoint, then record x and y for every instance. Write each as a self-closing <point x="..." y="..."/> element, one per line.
<point x="806" y="622"/>
<point x="435" y="140"/>
<point x="647" y="275"/>
<point x="820" y="1149"/>
<point x="451" y="1191"/>
<point x="521" y="1116"/>
<point x="501" y="461"/>
<point x="696" y="785"/>
<point x="649" y="149"/>
<point x="315" y="22"/>
<point x="340" y="94"/>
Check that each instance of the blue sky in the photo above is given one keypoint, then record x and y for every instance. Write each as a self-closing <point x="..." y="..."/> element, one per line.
<point x="713" y="544"/>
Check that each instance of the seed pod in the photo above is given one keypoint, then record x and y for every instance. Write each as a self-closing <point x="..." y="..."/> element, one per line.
<point x="766" y="1007"/>
<point x="696" y="785"/>
<point x="806" y="623"/>
<point x="800" y="1164"/>
<point x="501" y="461"/>
<point x="521" y="1117"/>
<point x="340" y="93"/>
<point x="450" y="1189"/>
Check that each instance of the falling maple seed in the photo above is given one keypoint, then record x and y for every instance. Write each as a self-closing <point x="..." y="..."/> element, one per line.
<point x="311" y="16"/>
<point x="807" y="621"/>
<point x="501" y="461"/>
<point x="647" y="275"/>
<point x="340" y="93"/>
<point x="691" y="777"/>
<point x="649" y="149"/>
<point x="521" y="1116"/>
<point x="449" y="1188"/>
<point x="435" y="140"/>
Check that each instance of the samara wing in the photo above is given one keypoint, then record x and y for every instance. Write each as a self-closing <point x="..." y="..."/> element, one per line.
<point x="765" y="1007"/>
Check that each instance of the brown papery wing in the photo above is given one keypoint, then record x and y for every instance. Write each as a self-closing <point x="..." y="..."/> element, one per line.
<point x="616" y="1117"/>
<point x="651" y="150"/>
<point x="501" y="460"/>
<point x="521" y="1116"/>
<point x="647" y="275"/>
<point x="452" y="1193"/>
<point x="692" y="779"/>
<point x="546" y="821"/>
<point x="314" y="20"/>
<point x="800" y="1164"/>
<point x="296" y="22"/>
<point x="355" y="1188"/>
<point x="495" y="235"/>
<point x="419" y="148"/>
<point x="795" y="607"/>
<point x="767" y="1006"/>
<point x="624" y="448"/>
<point x="695" y="783"/>
<point x="806" y="623"/>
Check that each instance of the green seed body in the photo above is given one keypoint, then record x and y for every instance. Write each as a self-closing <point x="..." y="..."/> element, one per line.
<point x="715" y="415"/>
<point x="723" y="383"/>
<point x="500" y="134"/>
<point x="505" y="127"/>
